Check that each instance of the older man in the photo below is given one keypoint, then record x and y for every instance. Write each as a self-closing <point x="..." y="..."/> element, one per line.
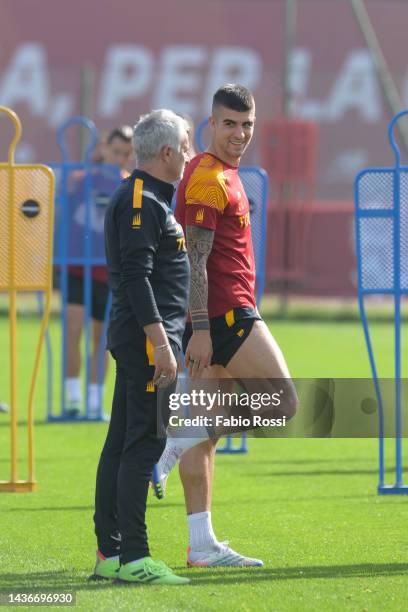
<point x="149" y="277"/>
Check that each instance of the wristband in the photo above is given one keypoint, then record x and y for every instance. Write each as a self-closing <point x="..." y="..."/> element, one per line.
<point x="162" y="347"/>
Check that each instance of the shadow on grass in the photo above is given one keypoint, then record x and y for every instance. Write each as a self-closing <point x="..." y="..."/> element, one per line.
<point x="63" y="581"/>
<point x="334" y="472"/>
<point x="251" y="575"/>
<point x="42" y="422"/>
<point x="59" y="580"/>
<point x="323" y="461"/>
<point x="66" y="581"/>
<point x="313" y="497"/>
<point x="87" y="508"/>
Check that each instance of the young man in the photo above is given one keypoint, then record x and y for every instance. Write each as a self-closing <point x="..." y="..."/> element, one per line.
<point x="149" y="278"/>
<point x="116" y="151"/>
<point x="225" y="336"/>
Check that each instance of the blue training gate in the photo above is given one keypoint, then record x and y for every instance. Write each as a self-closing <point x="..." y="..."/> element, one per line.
<point x="83" y="190"/>
<point x="381" y="212"/>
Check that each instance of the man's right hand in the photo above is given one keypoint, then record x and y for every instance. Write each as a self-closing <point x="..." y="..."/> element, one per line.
<point x="166" y="367"/>
<point x="199" y="353"/>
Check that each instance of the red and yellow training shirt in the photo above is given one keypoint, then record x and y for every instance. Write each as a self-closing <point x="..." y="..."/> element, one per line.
<point x="211" y="195"/>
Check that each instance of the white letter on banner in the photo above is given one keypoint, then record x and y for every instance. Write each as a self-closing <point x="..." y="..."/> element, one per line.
<point x="26" y="79"/>
<point x="355" y="88"/>
<point x="127" y="74"/>
<point x="232" y="64"/>
<point x="179" y="79"/>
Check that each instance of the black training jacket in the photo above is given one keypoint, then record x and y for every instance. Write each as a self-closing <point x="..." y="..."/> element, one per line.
<point x="147" y="260"/>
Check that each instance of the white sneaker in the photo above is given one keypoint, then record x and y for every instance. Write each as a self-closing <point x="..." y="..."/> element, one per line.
<point x="162" y="469"/>
<point x="224" y="556"/>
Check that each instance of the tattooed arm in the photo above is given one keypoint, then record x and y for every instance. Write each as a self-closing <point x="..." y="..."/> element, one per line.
<point x="199" y="350"/>
<point x="199" y="245"/>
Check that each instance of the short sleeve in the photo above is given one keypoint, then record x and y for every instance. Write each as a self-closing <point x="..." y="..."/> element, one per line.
<point x="206" y="198"/>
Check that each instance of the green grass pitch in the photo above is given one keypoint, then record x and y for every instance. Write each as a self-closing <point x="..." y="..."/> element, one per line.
<point x="308" y="508"/>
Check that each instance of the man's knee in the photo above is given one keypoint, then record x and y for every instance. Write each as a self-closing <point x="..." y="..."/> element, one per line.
<point x="195" y="463"/>
<point x="113" y="448"/>
<point x="143" y="450"/>
<point x="285" y="390"/>
<point x="160" y="445"/>
<point x="291" y="401"/>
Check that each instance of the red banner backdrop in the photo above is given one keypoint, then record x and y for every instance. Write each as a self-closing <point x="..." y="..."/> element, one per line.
<point x="116" y="60"/>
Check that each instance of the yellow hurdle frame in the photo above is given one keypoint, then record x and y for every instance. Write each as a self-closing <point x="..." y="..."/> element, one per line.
<point x="29" y="269"/>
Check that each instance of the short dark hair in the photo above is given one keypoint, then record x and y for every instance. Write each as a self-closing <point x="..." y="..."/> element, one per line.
<point x="124" y="132"/>
<point x="233" y="96"/>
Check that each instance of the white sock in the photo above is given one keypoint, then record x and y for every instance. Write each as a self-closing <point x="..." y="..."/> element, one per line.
<point x="187" y="436"/>
<point x="201" y="533"/>
<point x="95" y="396"/>
<point x="73" y="389"/>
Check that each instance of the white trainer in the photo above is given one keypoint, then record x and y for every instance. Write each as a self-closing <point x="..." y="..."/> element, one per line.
<point x="162" y="469"/>
<point x="223" y="556"/>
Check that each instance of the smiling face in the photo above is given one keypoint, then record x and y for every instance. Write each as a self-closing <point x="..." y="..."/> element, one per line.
<point x="231" y="133"/>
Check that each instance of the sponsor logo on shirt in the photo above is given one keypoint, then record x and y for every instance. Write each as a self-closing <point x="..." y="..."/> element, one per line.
<point x="181" y="244"/>
<point x="244" y="220"/>
<point x="150" y="387"/>
<point x="200" y="215"/>
<point x="137" y="221"/>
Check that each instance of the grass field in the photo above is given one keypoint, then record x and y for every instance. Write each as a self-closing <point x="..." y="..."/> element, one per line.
<point x="308" y="508"/>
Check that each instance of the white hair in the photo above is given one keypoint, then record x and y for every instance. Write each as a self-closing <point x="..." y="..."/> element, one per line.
<point x="156" y="130"/>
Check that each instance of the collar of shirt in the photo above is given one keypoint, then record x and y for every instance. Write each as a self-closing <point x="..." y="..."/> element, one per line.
<point x="166" y="190"/>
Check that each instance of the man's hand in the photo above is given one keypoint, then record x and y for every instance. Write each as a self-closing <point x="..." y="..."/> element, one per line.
<point x="165" y="367"/>
<point x="199" y="353"/>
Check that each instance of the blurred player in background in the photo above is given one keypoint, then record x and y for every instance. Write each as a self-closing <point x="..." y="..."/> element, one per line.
<point x="98" y="154"/>
<point x="225" y="336"/>
<point x="116" y="151"/>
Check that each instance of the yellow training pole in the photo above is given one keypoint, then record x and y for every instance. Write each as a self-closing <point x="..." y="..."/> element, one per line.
<point x="13" y="300"/>
<point x="27" y="233"/>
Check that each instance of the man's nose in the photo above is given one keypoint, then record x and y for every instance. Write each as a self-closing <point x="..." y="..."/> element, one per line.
<point x="239" y="132"/>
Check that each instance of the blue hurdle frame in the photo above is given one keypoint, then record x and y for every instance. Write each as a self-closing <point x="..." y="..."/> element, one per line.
<point x="394" y="213"/>
<point x="63" y="261"/>
<point x="229" y="447"/>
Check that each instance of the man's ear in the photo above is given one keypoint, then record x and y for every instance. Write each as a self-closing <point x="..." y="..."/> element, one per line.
<point x="165" y="153"/>
<point x="211" y="121"/>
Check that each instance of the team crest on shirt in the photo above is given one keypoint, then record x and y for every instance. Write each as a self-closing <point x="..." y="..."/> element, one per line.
<point x="199" y="215"/>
